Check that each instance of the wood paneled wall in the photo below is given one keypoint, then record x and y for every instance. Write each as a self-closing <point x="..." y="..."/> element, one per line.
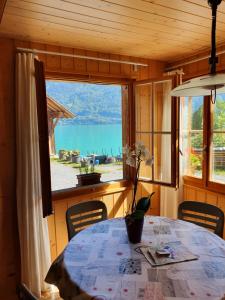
<point x="56" y="66"/>
<point x="9" y="246"/>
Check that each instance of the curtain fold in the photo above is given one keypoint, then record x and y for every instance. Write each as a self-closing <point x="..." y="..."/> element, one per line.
<point x="33" y="229"/>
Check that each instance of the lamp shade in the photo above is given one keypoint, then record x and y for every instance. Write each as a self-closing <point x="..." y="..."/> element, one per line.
<point x="201" y="86"/>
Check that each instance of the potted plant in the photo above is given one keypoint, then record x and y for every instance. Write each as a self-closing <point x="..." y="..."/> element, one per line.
<point x="62" y="153"/>
<point x="88" y="175"/>
<point x="135" y="218"/>
<point x="75" y="156"/>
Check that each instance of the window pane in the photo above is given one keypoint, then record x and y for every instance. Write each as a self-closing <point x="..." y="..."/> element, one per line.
<point x="192" y="135"/>
<point x="143" y="100"/>
<point x="145" y="170"/>
<point x="162" y="106"/>
<point x="217" y="159"/>
<point x="162" y="157"/>
<point x="85" y="136"/>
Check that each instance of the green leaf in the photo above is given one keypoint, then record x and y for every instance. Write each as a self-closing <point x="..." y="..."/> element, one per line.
<point x="144" y="203"/>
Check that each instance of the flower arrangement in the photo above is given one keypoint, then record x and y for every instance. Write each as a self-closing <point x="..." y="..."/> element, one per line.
<point x="134" y="157"/>
<point x="134" y="221"/>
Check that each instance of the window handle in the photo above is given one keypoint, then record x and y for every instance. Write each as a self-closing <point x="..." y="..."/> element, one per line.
<point x="181" y="153"/>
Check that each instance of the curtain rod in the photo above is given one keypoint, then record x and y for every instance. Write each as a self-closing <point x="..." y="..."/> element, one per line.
<point x="36" y="51"/>
<point x="192" y="61"/>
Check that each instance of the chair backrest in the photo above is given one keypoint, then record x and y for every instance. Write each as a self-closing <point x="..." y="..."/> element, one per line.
<point x="24" y="293"/>
<point x="81" y="215"/>
<point x="202" y="214"/>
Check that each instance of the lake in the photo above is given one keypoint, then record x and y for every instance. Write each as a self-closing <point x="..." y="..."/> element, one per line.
<point x="99" y="139"/>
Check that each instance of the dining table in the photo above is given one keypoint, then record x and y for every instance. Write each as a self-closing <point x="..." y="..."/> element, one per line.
<point x="100" y="263"/>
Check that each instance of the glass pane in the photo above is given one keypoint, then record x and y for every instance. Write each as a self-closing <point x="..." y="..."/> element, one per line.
<point x="217" y="169"/>
<point x="218" y="113"/>
<point x="84" y="135"/>
<point x="162" y="157"/>
<point x="217" y="147"/>
<point x="192" y="135"/>
<point x="145" y="170"/>
<point x="143" y="100"/>
<point x="162" y="105"/>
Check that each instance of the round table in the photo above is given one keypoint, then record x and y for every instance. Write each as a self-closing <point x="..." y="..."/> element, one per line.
<point x="100" y="263"/>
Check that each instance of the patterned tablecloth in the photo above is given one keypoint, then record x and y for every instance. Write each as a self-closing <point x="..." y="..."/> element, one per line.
<point x="99" y="263"/>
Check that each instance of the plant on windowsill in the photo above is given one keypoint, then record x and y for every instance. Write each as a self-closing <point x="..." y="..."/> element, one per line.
<point x="87" y="175"/>
<point x="75" y="156"/>
<point x="135" y="218"/>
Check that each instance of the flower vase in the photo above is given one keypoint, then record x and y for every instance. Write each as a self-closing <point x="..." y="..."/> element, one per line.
<point x="134" y="229"/>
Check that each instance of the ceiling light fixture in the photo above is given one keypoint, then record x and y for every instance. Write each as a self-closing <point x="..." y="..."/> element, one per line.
<point x="211" y="84"/>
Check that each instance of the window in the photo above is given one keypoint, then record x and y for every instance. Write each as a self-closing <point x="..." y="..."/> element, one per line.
<point x="192" y="146"/>
<point x="203" y="140"/>
<point x="157" y="128"/>
<point x="85" y="132"/>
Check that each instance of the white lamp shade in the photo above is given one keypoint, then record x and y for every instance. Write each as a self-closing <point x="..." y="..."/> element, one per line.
<point x="201" y="86"/>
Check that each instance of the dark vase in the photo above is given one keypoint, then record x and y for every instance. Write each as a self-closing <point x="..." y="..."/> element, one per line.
<point x="134" y="229"/>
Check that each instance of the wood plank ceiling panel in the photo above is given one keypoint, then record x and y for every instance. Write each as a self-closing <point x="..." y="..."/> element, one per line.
<point x="157" y="29"/>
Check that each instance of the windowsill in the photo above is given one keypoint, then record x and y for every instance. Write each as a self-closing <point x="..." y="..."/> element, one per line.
<point x="101" y="189"/>
<point x="199" y="183"/>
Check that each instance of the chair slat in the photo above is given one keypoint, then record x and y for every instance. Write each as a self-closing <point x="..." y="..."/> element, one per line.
<point x="87" y="216"/>
<point x="83" y="214"/>
<point x="191" y="211"/>
<point x="200" y="217"/>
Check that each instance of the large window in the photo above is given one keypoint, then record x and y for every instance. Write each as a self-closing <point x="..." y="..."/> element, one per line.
<point x="203" y="140"/>
<point x="85" y="132"/>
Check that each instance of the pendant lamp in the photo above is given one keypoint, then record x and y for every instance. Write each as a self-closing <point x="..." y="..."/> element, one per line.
<point x="211" y="84"/>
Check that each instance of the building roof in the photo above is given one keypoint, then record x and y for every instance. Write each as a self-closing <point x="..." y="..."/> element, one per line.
<point x="57" y="110"/>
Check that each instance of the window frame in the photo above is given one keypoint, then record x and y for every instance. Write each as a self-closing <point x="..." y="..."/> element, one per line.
<point x="205" y="182"/>
<point x="128" y="110"/>
<point x="175" y="117"/>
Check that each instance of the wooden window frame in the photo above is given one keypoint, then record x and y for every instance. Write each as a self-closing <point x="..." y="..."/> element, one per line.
<point x="205" y="182"/>
<point x="174" y="133"/>
<point x="128" y="125"/>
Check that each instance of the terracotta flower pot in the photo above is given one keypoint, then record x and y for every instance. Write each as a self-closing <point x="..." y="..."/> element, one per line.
<point x="134" y="228"/>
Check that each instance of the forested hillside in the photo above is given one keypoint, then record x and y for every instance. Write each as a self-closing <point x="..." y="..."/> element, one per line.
<point x="91" y="103"/>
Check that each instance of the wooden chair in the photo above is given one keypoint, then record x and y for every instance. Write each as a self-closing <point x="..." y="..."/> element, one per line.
<point x="81" y="215"/>
<point x="202" y="214"/>
<point x="24" y="293"/>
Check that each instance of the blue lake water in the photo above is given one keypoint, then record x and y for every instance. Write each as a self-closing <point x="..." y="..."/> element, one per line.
<point x="99" y="139"/>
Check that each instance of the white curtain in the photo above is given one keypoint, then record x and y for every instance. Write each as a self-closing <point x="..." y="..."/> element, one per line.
<point x="33" y="228"/>
<point x="169" y="197"/>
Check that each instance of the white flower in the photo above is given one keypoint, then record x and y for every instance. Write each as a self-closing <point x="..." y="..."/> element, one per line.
<point x="149" y="162"/>
<point x="126" y="150"/>
<point x="131" y="161"/>
<point x="135" y="156"/>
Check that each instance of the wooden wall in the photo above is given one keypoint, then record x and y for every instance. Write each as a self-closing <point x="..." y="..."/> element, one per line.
<point x="9" y="246"/>
<point x="56" y="66"/>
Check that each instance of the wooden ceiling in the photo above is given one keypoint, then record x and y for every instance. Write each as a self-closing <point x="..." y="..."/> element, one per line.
<point x="166" y="30"/>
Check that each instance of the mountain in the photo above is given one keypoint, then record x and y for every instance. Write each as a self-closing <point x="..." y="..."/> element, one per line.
<point x="91" y="103"/>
